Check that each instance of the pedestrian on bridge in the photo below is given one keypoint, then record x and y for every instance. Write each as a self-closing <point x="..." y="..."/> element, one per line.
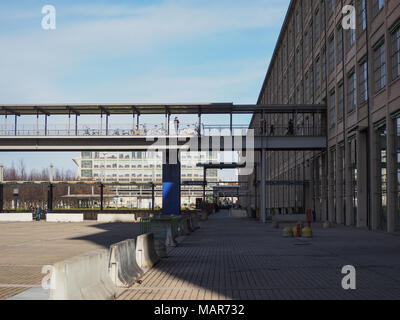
<point x="176" y="123"/>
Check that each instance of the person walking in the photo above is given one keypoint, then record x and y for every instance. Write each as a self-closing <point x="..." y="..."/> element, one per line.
<point x="176" y="123"/>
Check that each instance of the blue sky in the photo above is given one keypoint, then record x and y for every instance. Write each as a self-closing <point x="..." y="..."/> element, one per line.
<point x="135" y="52"/>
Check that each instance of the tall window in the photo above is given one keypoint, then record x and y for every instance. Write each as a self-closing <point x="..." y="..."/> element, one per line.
<point x="350" y="38"/>
<point x="318" y="73"/>
<point x="377" y="5"/>
<point x="298" y="61"/>
<point x="353" y="158"/>
<point x="332" y="108"/>
<point x="379" y="66"/>
<point x="352" y="87"/>
<point x="363" y="80"/>
<point x="298" y="22"/>
<point x="306" y="49"/>
<point x="331" y="6"/>
<point x="339" y="42"/>
<point x="307" y="93"/>
<point x="361" y="15"/>
<point x="317" y="25"/>
<point x="331" y="53"/>
<point x="340" y="101"/>
<point x="323" y="64"/>
<point x="396" y="51"/>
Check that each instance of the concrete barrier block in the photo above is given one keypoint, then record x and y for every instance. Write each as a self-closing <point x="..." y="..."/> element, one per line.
<point x="203" y="215"/>
<point x="16" y="217"/>
<point x="84" y="277"/>
<point x="238" y="213"/>
<point x="170" y="240"/>
<point x="123" y="267"/>
<point x="194" y="222"/>
<point x="161" y="248"/>
<point x="64" y="217"/>
<point x="146" y="255"/>
<point x="184" y="224"/>
<point x="117" y="217"/>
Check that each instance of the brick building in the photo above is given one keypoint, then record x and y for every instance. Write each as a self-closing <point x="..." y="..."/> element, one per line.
<point x="356" y="72"/>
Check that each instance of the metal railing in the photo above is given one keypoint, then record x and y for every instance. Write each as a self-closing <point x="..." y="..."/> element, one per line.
<point x="142" y="130"/>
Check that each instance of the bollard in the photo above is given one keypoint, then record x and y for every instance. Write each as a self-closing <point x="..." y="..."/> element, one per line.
<point x="326" y="225"/>
<point x="287" y="232"/>
<point x="306" y="232"/>
<point x="298" y="230"/>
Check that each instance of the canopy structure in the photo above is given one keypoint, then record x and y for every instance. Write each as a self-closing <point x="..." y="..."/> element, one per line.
<point x="108" y="109"/>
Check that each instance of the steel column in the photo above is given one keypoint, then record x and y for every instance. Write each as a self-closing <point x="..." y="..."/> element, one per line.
<point x="263" y="190"/>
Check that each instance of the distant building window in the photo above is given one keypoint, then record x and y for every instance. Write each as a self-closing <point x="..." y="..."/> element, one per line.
<point x="352" y="91"/>
<point x="86" y="155"/>
<point x="351" y="38"/>
<point x="339" y="43"/>
<point x="317" y="25"/>
<point x="340" y="101"/>
<point x="331" y="53"/>
<point x="361" y="15"/>
<point x="86" y="173"/>
<point x="87" y="164"/>
<point x="363" y="81"/>
<point x="331" y="6"/>
<point x="318" y="73"/>
<point x="323" y="64"/>
<point x="396" y="53"/>
<point x="379" y="66"/>
<point x="377" y="5"/>
<point x="332" y="108"/>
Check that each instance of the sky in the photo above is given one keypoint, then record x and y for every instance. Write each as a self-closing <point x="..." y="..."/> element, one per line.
<point x="136" y="51"/>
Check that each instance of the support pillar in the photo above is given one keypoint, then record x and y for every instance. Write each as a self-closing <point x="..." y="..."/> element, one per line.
<point x="152" y="197"/>
<point x="107" y="124"/>
<point x="339" y="185"/>
<point x="50" y="198"/>
<point x="331" y="187"/>
<point x="171" y="184"/>
<point x="324" y="182"/>
<point x="204" y="186"/>
<point x="1" y="197"/>
<point x="375" y="180"/>
<point x="231" y="124"/>
<point x="362" y="192"/>
<point x="101" y="196"/>
<point x="1" y="188"/>
<point x="263" y="190"/>
<point x="45" y="124"/>
<point x="15" y="125"/>
<point x="76" y="124"/>
<point x="348" y="187"/>
<point x="392" y="180"/>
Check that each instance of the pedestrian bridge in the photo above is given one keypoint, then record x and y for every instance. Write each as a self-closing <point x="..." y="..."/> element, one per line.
<point x="283" y="127"/>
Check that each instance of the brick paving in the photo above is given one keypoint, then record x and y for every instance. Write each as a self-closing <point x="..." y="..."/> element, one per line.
<point x="25" y="247"/>
<point x="230" y="258"/>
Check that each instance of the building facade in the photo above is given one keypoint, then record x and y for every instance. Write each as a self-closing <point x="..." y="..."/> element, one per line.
<point x="144" y="168"/>
<point x="356" y="72"/>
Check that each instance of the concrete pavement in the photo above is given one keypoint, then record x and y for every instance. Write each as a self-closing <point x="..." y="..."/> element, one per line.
<point x="25" y="247"/>
<point x="236" y="258"/>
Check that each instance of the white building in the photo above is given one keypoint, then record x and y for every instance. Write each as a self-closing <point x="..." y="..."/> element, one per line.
<point x="144" y="168"/>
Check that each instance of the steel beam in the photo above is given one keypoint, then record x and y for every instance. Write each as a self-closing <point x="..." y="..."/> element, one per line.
<point x="145" y="143"/>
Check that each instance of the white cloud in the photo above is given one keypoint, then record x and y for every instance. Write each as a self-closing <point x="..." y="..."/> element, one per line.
<point x="31" y="63"/>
